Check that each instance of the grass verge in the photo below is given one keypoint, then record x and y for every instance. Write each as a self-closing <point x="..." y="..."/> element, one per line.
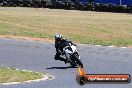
<point x="81" y="26"/>
<point x="13" y="75"/>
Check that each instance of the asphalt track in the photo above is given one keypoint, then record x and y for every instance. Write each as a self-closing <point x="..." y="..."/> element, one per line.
<point x="38" y="56"/>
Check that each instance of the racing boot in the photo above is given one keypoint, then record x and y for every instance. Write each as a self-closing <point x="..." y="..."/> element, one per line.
<point x="58" y="57"/>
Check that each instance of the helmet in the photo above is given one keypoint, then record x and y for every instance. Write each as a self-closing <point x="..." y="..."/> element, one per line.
<point x="58" y="37"/>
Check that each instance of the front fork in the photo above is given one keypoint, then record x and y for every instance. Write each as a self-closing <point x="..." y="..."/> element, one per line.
<point x="76" y="55"/>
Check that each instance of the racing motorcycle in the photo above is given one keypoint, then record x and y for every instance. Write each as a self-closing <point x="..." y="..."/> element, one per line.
<point x="71" y="54"/>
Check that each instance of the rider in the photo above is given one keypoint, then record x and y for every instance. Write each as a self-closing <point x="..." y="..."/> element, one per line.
<point x="60" y="43"/>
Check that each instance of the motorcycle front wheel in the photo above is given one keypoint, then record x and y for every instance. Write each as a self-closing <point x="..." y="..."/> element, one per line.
<point x="76" y="60"/>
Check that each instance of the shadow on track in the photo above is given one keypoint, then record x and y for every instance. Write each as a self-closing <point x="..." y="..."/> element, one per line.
<point x="61" y="67"/>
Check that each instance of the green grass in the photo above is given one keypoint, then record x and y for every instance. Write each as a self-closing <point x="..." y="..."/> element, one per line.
<point x="80" y="26"/>
<point x="13" y="75"/>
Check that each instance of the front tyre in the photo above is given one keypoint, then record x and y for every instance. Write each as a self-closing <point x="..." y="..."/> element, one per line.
<point x="77" y="60"/>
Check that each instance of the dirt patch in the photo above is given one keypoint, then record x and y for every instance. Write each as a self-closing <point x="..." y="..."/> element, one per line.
<point x="26" y="38"/>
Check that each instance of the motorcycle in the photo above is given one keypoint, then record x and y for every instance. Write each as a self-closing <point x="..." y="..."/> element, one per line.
<point x="71" y="54"/>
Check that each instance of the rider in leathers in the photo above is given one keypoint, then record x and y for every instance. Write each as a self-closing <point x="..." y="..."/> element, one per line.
<point x="60" y="43"/>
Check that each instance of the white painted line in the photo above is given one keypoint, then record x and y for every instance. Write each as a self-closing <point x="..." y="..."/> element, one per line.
<point x="45" y="77"/>
<point x="17" y="69"/>
<point x="11" y="83"/>
<point x="98" y="45"/>
<point x="104" y="46"/>
<point x="123" y="47"/>
<point x="23" y="70"/>
<point x="84" y="44"/>
<point x="111" y="46"/>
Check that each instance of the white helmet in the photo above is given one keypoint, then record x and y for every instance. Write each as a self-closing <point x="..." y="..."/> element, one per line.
<point x="58" y="37"/>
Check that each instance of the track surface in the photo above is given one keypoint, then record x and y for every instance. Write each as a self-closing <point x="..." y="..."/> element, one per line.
<point x="38" y="56"/>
